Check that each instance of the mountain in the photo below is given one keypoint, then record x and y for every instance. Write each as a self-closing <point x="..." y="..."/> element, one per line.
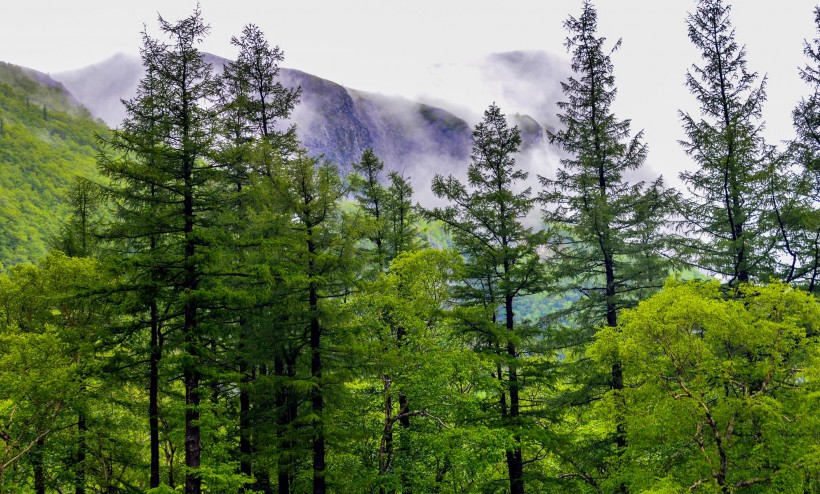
<point x="101" y="86"/>
<point x="48" y="123"/>
<point x="46" y="141"/>
<point x="416" y="138"/>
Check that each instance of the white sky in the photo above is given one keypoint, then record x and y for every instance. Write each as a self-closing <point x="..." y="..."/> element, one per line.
<point x="389" y="45"/>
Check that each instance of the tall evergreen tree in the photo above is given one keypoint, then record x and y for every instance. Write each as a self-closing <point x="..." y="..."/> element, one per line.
<point x="797" y="195"/>
<point x="257" y="99"/>
<point x="311" y="249"/>
<point x="253" y="105"/>
<point x="502" y="261"/>
<point x="78" y="236"/>
<point x="604" y="231"/>
<point x="389" y="207"/>
<point x="168" y="196"/>
<point x="401" y="217"/>
<point x="723" y="220"/>
<point x="393" y="231"/>
<point x="136" y="240"/>
<point x="371" y="196"/>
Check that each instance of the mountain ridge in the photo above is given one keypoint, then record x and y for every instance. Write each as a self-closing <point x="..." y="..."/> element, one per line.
<point x="332" y="120"/>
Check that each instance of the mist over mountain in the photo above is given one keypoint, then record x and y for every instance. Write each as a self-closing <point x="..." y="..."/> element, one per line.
<point x="417" y="138"/>
<point x="101" y="86"/>
<point x="48" y="128"/>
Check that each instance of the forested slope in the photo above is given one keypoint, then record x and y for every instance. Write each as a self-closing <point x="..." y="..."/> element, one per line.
<point x="46" y="140"/>
<point x="228" y="312"/>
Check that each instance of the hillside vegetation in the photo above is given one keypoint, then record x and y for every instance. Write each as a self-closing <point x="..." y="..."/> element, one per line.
<point x="46" y="141"/>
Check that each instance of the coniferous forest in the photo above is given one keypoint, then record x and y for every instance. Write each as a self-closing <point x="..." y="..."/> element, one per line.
<point x="222" y="312"/>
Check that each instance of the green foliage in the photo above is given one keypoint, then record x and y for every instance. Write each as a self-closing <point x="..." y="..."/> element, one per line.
<point x="719" y="390"/>
<point x="39" y="161"/>
<point x="725" y="216"/>
<point x="795" y="192"/>
<point x="605" y="233"/>
<point x="605" y="244"/>
<point x="501" y="263"/>
<point x="250" y="327"/>
<point x="389" y="208"/>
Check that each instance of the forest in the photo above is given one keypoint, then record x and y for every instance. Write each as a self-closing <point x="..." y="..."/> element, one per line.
<point x="221" y="312"/>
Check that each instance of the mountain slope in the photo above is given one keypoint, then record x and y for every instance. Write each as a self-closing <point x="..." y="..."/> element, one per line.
<point x="332" y="120"/>
<point x="46" y="141"/>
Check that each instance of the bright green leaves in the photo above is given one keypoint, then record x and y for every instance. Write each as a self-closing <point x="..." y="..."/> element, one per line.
<point x="717" y="388"/>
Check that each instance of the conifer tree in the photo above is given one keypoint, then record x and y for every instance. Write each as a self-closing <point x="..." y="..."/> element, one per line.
<point x="604" y="232"/>
<point x="140" y="229"/>
<point x="796" y="215"/>
<point x="392" y="232"/>
<point x="371" y="196"/>
<point x="390" y="208"/>
<point x="502" y="263"/>
<point x="724" y="220"/>
<point x="253" y="105"/>
<point x="78" y="236"/>
<point x="401" y="218"/>
<point x="168" y="196"/>
<point x="256" y="98"/>
<point x="308" y="257"/>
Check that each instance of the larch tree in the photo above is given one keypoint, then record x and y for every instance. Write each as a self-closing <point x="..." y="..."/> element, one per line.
<point x="393" y="231"/>
<point x="724" y="218"/>
<point x="502" y="263"/>
<point x="168" y="196"/>
<point x="796" y="214"/>
<point x="138" y="233"/>
<point x="606" y="239"/>
<point x="371" y="196"/>
<point x="254" y="104"/>
<point x="314" y="259"/>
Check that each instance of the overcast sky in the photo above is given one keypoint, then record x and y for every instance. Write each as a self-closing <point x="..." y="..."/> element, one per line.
<point x="399" y="47"/>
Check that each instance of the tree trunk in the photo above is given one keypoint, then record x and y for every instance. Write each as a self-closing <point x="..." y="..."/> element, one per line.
<point x="386" y="445"/>
<point x="245" y="448"/>
<point x="79" y="475"/>
<point x="191" y="373"/>
<point x="515" y="460"/>
<point x="153" y="395"/>
<point x="404" y="422"/>
<point x="39" y="470"/>
<point x="317" y="398"/>
<point x="282" y="404"/>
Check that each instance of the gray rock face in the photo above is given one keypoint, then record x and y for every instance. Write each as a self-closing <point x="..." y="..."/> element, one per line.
<point x="333" y="121"/>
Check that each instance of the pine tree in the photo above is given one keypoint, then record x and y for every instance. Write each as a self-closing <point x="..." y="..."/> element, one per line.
<point x="317" y="253"/>
<point x="605" y="237"/>
<point x="78" y="236"/>
<point x="393" y="231"/>
<point x="389" y="208"/>
<point x="371" y="196"/>
<point x="137" y="237"/>
<point x="257" y="100"/>
<point x="402" y="234"/>
<point x="501" y="256"/>
<point x="723" y="220"/>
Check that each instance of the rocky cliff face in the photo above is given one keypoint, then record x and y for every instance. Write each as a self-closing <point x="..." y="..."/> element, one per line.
<point x="333" y="121"/>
